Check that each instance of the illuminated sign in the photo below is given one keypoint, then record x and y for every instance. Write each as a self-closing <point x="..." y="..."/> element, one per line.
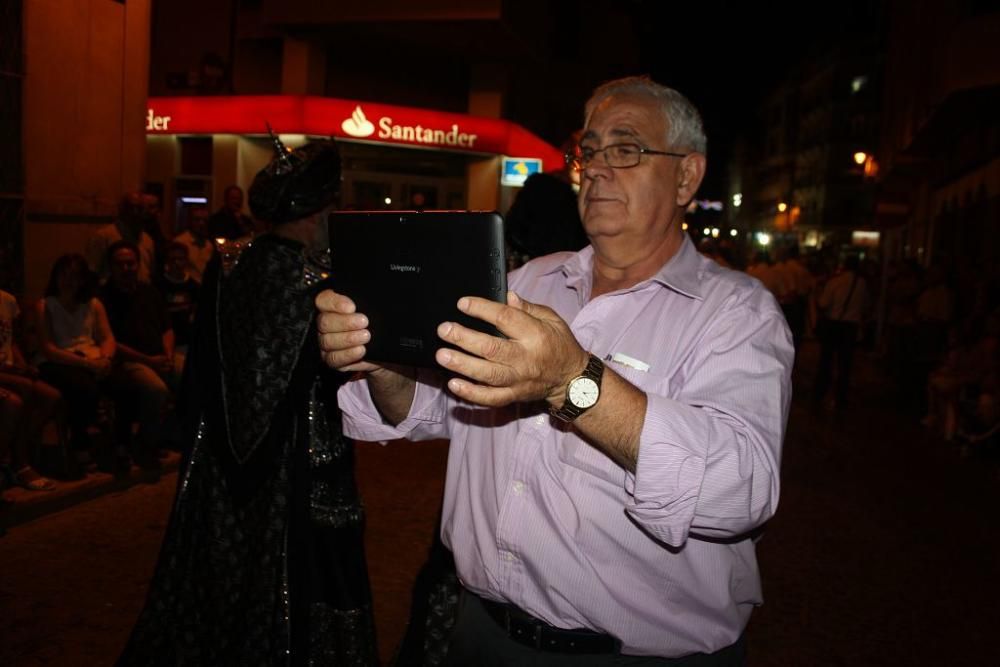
<point x="516" y="170"/>
<point x="156" y="123"/>
<point x="862" y="238"/>
<point x="347" y="119"/>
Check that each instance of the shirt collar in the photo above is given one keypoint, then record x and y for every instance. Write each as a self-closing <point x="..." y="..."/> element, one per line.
<point x="681" y="273"/>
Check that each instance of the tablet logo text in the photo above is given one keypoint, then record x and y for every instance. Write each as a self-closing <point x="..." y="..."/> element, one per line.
<point x="412" y="343"/>
<point x="404" y="268"/>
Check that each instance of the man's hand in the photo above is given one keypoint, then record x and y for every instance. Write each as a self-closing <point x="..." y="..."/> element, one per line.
<point x="342" y="333"/>
<point x="342" y="336"/>
<point x="536" y="361"/>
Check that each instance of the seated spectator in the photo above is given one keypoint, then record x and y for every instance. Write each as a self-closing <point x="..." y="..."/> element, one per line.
<point x="144" y="363"/>
<point x="28" y="404"/>
<point x="946" y="382"/>
<point x="132" y="216"/>
<point x="76" y="345"/>
<point x="229" y="222"/>
<point x="978" y="412"/>
<point x="199" y="244"/>
<point x="180" y="291"/>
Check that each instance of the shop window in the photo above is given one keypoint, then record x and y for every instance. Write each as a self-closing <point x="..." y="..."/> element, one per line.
<point x="196" y="156"/>
<point x="372" y="196"/>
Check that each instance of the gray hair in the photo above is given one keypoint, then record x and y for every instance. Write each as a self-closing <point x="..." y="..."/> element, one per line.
<point x="684" y="127"/>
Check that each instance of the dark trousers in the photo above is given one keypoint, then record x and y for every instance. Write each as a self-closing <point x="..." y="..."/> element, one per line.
<point x="479" y="642"/>
<point x="837" y="341"/>
<point x="81" y="391"/>
<point x="795" y="315"/>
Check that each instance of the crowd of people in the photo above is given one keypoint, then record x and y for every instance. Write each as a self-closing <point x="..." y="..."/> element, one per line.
<point x="100" y="356"/>
<point x="939" y="341"/>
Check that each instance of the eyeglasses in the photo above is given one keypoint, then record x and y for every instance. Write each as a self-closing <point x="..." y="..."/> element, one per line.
<point x="617" y="156"/>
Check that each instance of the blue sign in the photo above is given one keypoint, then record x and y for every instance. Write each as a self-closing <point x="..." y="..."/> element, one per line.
<point x="515" y="170"/>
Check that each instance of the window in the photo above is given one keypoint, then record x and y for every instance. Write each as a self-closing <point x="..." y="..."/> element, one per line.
<point x="196" y="156"/>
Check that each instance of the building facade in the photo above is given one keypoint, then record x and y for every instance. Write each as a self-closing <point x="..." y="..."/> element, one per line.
<point x="465" y="59"/>
<point x="805" y="172"/>
<point x="83" y="81"/>
<point x="940" y="149"/>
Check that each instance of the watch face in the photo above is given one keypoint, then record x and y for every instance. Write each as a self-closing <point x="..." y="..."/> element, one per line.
<point x="583" y="392"/>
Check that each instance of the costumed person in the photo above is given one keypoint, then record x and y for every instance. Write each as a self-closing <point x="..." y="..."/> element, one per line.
<point x="263" y="561"/>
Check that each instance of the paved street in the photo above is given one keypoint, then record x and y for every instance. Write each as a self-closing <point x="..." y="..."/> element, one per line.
<point x="883" y="552"/>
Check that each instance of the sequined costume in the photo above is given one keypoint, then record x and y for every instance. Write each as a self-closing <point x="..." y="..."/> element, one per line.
<point x="263" y="560"/>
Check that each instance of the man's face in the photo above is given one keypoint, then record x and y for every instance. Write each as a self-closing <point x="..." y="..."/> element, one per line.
<point x="151" y="204"/>
<point x="636" y="204"/>
<point x="198" y="223"/>
<point x="124" y="269"/>
<point x="133" y="211"/>
<point x="234" y="199"/>
<point x="177" y="261"/>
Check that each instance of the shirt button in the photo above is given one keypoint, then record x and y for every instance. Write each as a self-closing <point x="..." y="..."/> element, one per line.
<point x="518" y="487"/>
<point x="508" y="556"/>
<point x="541" y="419"/>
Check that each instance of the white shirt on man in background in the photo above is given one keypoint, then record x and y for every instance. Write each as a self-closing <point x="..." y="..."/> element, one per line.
<point x="200" y="251"/>
<point x="840" y="302"/>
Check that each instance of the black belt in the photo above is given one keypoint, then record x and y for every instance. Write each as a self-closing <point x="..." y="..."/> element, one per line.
<point x="530" y="631"/>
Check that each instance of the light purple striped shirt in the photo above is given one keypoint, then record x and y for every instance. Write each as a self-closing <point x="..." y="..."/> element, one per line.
<point x="538" y="517"/>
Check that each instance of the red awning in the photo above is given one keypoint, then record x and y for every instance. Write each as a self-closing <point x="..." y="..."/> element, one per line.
<point x="350" y="120"/>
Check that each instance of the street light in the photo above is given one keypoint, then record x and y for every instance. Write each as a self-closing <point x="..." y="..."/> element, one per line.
<point x="782" y="207"/>
<point x="860" y="157"/>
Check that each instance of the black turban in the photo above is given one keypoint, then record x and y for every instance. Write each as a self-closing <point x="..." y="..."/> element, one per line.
<point x="296" y="184"/>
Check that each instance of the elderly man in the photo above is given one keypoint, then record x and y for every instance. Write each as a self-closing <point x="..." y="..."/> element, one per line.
<point x="615" y="455"/>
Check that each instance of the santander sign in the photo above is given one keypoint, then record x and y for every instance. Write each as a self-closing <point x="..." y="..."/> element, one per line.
<point x="359" y="126"/>
<point x="350" y="119"/>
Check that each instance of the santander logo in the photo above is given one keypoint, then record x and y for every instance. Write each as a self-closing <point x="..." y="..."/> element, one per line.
<point x="358" y="125"/>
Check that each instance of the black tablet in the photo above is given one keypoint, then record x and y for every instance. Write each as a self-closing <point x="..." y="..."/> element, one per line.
<point x="406" y="270"/>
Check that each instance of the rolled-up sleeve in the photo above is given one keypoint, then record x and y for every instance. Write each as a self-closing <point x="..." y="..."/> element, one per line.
<point x="710" y="455"/>
<point x="425" y="421"/>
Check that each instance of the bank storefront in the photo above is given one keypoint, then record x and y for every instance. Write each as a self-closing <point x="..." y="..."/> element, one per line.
<point x="394" y="157"/>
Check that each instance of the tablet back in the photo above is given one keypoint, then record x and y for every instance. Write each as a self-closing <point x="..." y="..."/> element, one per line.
<point x="407" y="270"/>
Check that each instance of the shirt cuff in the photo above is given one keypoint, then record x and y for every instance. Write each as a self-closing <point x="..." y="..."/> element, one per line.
<point x="362" y="420"/>
<point x="669" y="470"/>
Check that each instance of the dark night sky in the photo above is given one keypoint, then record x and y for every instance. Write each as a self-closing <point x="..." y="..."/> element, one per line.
<point x="726" y="55"/>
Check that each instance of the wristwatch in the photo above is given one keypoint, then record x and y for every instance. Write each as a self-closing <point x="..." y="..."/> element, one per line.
<point x="582" y="392"/>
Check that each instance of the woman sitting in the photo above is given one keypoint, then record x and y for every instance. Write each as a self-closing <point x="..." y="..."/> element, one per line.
<point x="76" y="345"/>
